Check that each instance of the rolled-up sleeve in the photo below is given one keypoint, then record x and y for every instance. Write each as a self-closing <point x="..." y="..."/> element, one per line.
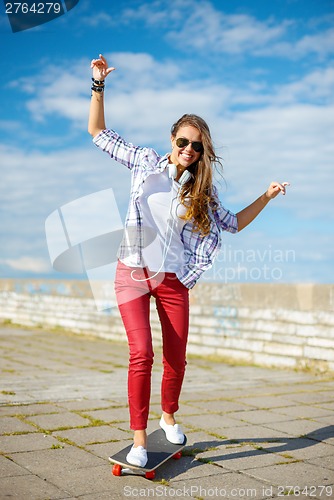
<point x="225" y="219"/>
<point x="118" y="149"/>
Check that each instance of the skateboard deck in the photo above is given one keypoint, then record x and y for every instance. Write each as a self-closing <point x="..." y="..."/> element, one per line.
<point x="159" y="450"/>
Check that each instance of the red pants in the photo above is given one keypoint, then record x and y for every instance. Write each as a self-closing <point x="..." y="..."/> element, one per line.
<point x="172" y="302"/>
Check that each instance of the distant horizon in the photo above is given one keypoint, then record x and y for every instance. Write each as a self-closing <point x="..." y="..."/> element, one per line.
<point x="81" y="278"/>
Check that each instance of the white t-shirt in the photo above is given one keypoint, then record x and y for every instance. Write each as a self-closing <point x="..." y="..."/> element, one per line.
<point x="161" y="210"/>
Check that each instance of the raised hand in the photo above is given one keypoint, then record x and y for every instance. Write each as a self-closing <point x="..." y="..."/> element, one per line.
<point x="100" y="68"/>
<point x="275" y="188"/>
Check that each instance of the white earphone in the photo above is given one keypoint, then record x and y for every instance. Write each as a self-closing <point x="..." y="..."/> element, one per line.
<point x="172" y="174"/>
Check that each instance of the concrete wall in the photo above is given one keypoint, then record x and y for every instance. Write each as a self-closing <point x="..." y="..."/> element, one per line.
<point x="266" y="324"/>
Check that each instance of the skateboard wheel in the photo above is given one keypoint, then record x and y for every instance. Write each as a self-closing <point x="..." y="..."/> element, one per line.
<point x="177" y="455"/>
<point x="150" y="474"/>
<point x="117" y="470"/>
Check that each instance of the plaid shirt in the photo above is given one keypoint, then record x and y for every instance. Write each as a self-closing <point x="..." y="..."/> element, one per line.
<point x="200" y="251"/>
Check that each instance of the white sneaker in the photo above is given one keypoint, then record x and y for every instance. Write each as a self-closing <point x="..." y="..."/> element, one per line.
<point x="137" y="456"/>
<point x="173" y="432"/>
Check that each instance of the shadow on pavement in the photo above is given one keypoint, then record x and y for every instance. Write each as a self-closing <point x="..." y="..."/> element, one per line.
<point x="281" y="445"/>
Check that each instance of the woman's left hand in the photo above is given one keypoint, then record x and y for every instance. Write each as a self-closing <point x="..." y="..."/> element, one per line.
<point x="275" y="188"/>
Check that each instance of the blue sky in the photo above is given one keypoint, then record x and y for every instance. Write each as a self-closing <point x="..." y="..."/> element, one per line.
<point x="260" y="72"/>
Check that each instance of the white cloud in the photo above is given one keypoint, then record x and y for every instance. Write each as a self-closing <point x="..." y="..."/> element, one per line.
<point x="316" y="86"/>
<point x="286" y="144"/>
<point x="27" y="264"/>
<point x="98" y="19"/>
<point x="142" y="69"/>
<point x="152" y="14"/>
<point x="57" y="93"/>
<point x="278" y="133"/>
<point x="222" y="33"/>
<point x="320" y="44"/>
<point x="161" y="93"/>
<point x="65" y="106"/>
<point x="233" y="34"/>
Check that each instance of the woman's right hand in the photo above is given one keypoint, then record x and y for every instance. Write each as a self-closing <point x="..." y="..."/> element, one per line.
<point x="96" y="121"/>
<point x="100" y="68"/>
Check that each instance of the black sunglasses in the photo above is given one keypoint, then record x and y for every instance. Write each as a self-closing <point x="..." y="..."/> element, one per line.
<point x="182" y="142"/>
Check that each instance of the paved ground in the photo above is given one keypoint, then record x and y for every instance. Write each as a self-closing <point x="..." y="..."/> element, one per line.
<point x="252" y="432"/>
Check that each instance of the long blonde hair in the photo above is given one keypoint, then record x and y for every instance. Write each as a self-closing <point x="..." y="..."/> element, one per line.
<point x="197" y="194"/>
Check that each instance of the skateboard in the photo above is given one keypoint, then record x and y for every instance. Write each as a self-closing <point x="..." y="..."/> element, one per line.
<point x="159" y="450"/>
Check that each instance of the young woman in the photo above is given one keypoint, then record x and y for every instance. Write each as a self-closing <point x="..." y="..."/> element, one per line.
<point x="172" y="234"/>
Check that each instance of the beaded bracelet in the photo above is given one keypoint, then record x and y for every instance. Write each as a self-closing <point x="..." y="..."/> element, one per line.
<point x="97" y="82"/>
<point x="98" y="89"/>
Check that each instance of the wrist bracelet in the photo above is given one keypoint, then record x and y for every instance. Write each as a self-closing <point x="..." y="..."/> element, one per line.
<point x="98" y="89"/>
<point x="97" y="82"/>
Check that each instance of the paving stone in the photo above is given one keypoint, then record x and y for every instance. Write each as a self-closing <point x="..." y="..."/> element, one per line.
<point x="218" y="406"/>
<point x="304" y="411"/>
<point x="191" y="396"/>
<point x="253" y="432"/>
<point x="110" y="415"/>
<point x="8" y="425"/>
<point x="27" y="442"/>
<point x="105" y="450"/>
<point x="242" y="457"/>
<point x="312" y="397"/>
<point x="59" y="420"/>
<point x="202" y="441"/>
<point x="326" y="421"/>
<point x="89" y="435"/>
<point x="265" y="402"/>
<point x="186" y="409"/>
<point x="82" y="481"/>
<point x="106" y="495"/>
<point x="30" y="487"/>
<point x="189" y="468"/>
<point x="139" y="487"/>
<point x="299" y="448"/>
<point x="326" y="406"/>
<point x="258" y="416"/>
<point x="87" y="404"/>
<point x="42" y="461"/>
<point x="312" y="384"/>
<point x="296" y="427"/>
<point x="324" y="461"/>
<point x="229" y="485"/>
<point x="324" y="434"/>
<point x="211" y="422"/>
<point x="9" y="469"/>
<point x="26" y="410"/>
<point x="297" y="474"/>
